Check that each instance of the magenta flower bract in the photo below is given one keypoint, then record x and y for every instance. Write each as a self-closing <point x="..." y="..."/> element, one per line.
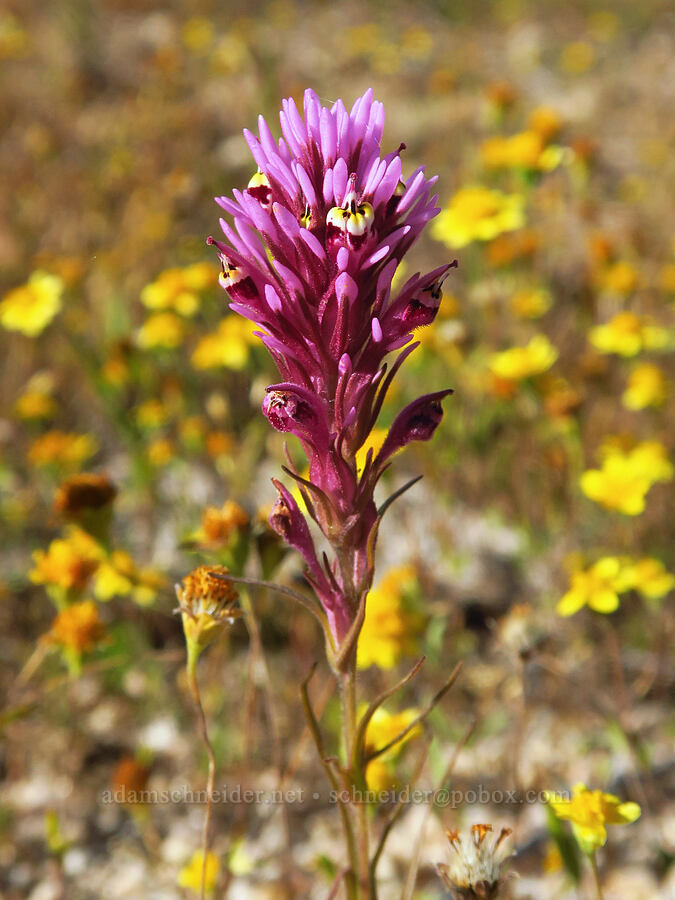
<point x="316" y="239"/>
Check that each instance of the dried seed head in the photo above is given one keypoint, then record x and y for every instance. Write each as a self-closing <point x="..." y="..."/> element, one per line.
<point x="207" y="604"/>
<point x="476" y="867"/>
<point x="84" y="493"/>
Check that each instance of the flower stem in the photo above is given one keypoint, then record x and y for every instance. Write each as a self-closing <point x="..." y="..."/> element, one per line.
<point x="596" y="877"/>
<point x="360" y="854"/>
<point x="191" y="669"/>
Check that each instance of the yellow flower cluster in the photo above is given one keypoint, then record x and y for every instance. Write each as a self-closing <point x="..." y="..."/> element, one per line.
<point x="229" y="347"/>
<point x="476" y="213"/>
<point x="530" y="303"/>
<point x="647" y="386"/>
<point x="391" y="625"/>
<point x="599" y="586"/>
<point x="590" y="811"/>
<point x="625" y="478"/>
<point x="220" y="524"/>
<point x="119" y="576"/>
<point x="36" y="402"/>
<point x="77" y="628"/>
<point x="179" y="289"/>
<point x="518" y="363"/>
<point x="628" y="334"/>
<point x="68" y="563"/>
<point x="59" y="448"/>
<point x="161" y="331"/>
<point x="618" y="277"/>
<point x="525" y="150"/>
<point x="32" y="306"/>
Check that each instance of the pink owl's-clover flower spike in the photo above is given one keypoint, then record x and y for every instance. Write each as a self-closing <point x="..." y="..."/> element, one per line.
<point x="309" y="254"/>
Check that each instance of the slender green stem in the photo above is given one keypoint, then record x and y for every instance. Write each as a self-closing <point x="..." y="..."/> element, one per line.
<point x="360" y="860"/>
<point x="596" y="877"/>
<point x="203" y="730"/>
<point x="343" y="806"/>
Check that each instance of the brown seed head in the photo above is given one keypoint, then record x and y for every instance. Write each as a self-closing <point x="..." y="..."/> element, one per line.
<point x="83" y="493"/>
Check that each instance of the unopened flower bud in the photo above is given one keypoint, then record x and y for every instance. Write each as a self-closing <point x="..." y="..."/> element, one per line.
<point x="417" y="422"/>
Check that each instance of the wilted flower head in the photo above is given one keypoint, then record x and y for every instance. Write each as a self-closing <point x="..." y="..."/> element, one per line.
<point x="476" y="868"/>
<point x="84" y="493"/>
<point x="317" y="237"/>
<point x="206" y="604"/>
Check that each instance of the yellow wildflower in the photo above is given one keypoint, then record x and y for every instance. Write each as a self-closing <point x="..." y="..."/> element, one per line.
<point x="32" y="306"/>
<point x="35" y="405"/>
<point x="219" y="443"/>
<point x="530" y="303"/>
<point x="619" y="277"/>
<point x="68" y="562"/>
<point x="553" y="861"/>
<point x="561" y="398"/>
<point x="391" y="627"/>
<point x="509" y="248"/>
<point x="525" y="150"/>
<point x="647" y="386"/>
<point x="163" y="330"/>
<point x="383" y="728"/>
<point x="518" y="363"/>
<point x="115" y="369"/>
<point x="650" y="459"/>
<point x="160" y="452"/>
<point x="650" y="577"/>
<point x="228" y="347"/>
<point x="590" y="811"/>
<point x="61" y="448"/>
<point x="118" y="576"/>
<point x="476" y="213"/>
<point x="616" y="486"/>
<point x="77" y="627"/>
<point x="625" y="478"/>
<point x="218" y="525"/>
<point x="598" y="587"/>
<point x="545" y="121"/>
<point x="667" y="278"/>
<point x="190" y="876"/>
<point x="627" y="334"/>
<point x="152" y="414"/>
<point x="179" y="289"/>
